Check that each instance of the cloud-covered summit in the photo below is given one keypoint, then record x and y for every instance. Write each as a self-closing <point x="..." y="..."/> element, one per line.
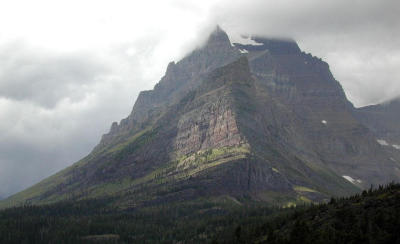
<point x="359" y="39"/>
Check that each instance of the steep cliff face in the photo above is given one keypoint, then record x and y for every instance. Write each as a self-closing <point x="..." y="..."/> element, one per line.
<point x="315" y="121"/>
<point x="179" y="78"/>
<point x="266" y="122"/>
<point x="209" y="120"/>
<point x="210" y="145"/>
<point x="208" y="126"/>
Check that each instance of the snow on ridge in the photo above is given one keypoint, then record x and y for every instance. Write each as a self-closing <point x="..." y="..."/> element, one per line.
<point x="382" y="142"/>
<point x="349" y="178"/>
<point x="243" y="51"/>
<point x="396" y="146"/>
<point x="245" y="40"/>
<point x="324" y="122"/>
<point x="385" y="143"/>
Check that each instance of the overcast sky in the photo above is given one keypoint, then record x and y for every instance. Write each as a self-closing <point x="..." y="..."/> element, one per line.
<point x="70" y="68"/>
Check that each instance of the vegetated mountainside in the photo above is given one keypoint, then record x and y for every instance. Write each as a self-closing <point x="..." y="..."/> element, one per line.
<point x="264" y="122"/>
<point x="370" y="217"/>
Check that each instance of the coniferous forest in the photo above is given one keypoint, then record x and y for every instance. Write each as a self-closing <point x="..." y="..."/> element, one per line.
<point x="370" y="217"/>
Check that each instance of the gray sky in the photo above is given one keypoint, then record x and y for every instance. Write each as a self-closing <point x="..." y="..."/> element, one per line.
<point x="70" y="68"/>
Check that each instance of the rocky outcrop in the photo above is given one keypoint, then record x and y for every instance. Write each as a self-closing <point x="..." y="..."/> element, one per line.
<point x="210" y="120"/>
<point x="212" y="126"/>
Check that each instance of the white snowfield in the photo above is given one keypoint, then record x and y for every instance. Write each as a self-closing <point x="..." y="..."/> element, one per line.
<point x="349" y="178"/>
<point x="382" y="142"/>
<point x="396" y="146"/>
<point x="243" y="51"/>
<point x="245" y="40"/>
<point x="324" y="122"/>
<point x="385" y="143"/>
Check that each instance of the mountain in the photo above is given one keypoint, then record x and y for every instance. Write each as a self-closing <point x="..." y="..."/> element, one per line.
<point x="383" y="119"/>
<point x="265" y="122"/>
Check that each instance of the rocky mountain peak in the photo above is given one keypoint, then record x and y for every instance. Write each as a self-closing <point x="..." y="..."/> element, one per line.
<point x="179" y="78"/>
<point x="170" y="67"/>
<point x="218" y="39"/>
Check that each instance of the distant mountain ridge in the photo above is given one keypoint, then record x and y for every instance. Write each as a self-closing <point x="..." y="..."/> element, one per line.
<point x="266" y="122"/>
<point x="383" y="120"/>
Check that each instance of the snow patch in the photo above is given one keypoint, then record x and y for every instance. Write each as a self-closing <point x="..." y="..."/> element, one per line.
<point x="243" y="51"/>
<point x="382" y="142"/>
<point x="245" y="40"/>
<point x="349" y="178"/>
<point x="396" y="146"/>
<point x="324" y="122"/>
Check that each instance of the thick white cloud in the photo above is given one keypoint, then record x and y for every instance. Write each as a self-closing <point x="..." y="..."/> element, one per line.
<point x="70" y="68"/>
<point x="45" y="79"/>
